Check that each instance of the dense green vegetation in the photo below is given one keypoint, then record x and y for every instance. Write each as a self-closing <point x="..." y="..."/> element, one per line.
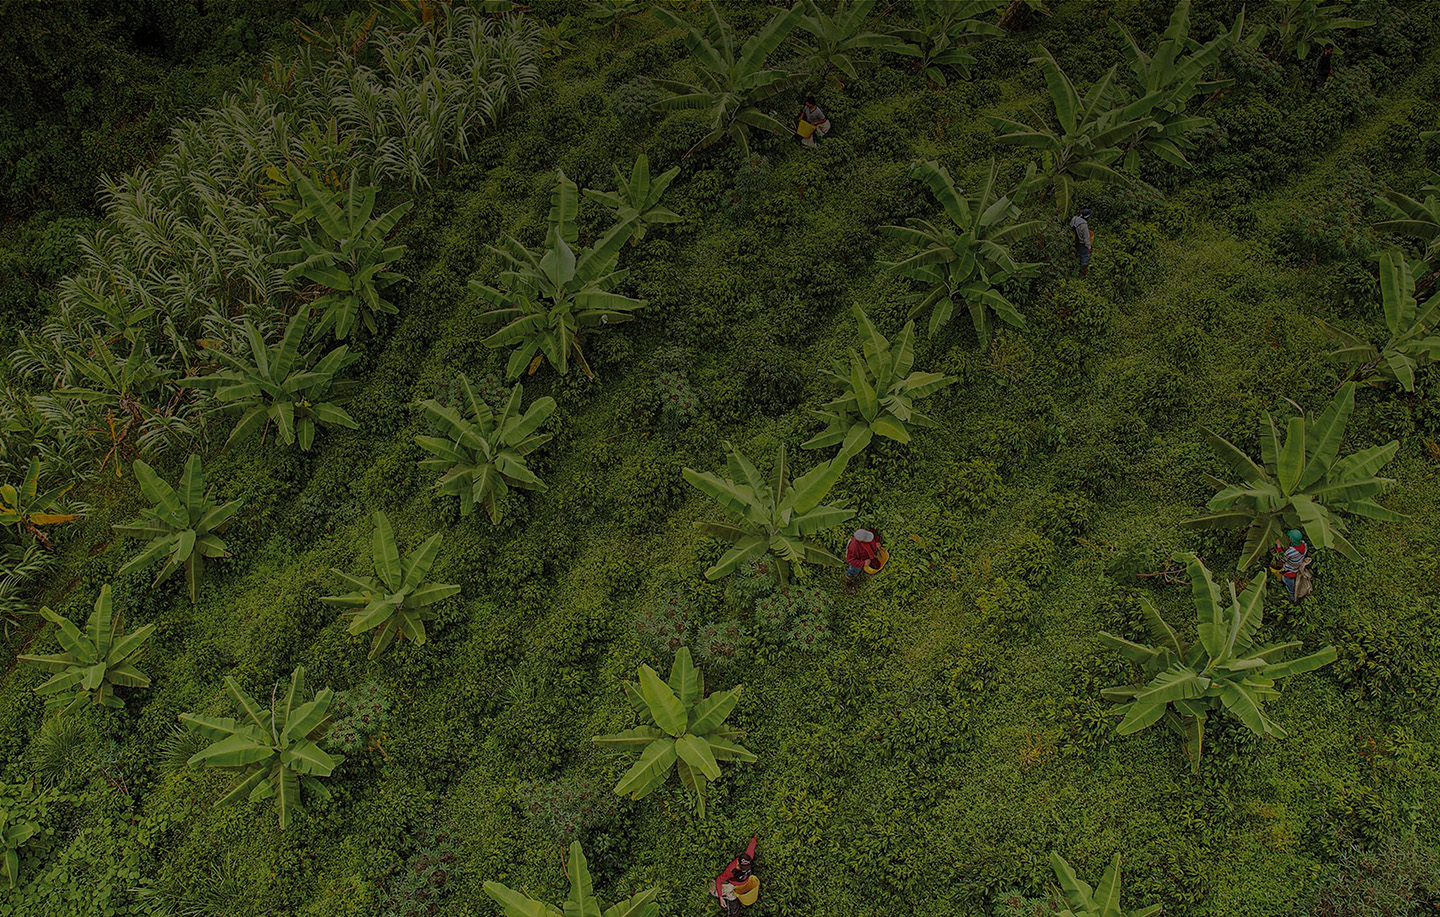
<point x="326" y="289"/>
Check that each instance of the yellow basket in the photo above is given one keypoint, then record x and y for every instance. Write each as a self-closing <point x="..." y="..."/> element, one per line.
<point x="879" y="562"/>
<point x="804" y="128"/>
<point x="748" y="891"/>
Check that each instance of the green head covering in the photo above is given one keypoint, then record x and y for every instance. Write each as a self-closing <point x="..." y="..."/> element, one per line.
<point x="1295" y="536"/>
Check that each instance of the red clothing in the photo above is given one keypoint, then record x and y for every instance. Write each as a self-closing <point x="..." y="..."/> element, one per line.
<point x="859" y="553"/>
<point x="732" y="872"/>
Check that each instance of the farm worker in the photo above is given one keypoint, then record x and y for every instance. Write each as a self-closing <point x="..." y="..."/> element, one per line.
<point x="813" y="123"/>
<point x="1292" y="551"/>
<point x="864" y="547"/>
<point x="1084" y="239"/>
<point x="737" y="884"/>
<point x="1324" y="65"/>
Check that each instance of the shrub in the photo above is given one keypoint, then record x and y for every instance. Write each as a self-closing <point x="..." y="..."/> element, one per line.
<point x="750" y="584"/>
<point x="669" y="624"/>
<point x="719" y="644"/>
<point x="1007" y="606"/>
<point x="1396" y="878"/>
<point x="974" y="486"/>
<point x="679" y="406"/>
<point x="358" y="716"/>
<point x="796" y="617"/>
<point x="422" y="884"/>
<point x="634" y="103"/>
<point x="569" y="809"/>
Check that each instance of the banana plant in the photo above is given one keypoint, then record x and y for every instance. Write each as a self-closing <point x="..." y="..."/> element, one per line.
<point x="614" y="14"/>
<point x="95" y="662"/>
<point x="963" y="261"/>
<point x="580" y="903"/>
<point x="280" y="385"/>
<point x="397" y="600"/>
<point x="1087" y="141"/>
<point x="184" y="524"/>
<point x="276" y="750"/>
<point x="1101" y="901"/>
<point x="1418" y="219"/>
<point x="482" y="455"/>
<point x="636" y="200"/>
<point x="733" y="81"/>
<point x="879" y="392"/>
<point x="943" y="30"/>
<point x="28" y="508"/>
<point x="1412" y="339"/>
<point x="350" y="260"/>
<point x="1178" y="76"/>
<point x="547" y="299"/>
<point x="1226" y="669"/>
<point x="131" y="392"/>
<point x="15" y="835"/>
<point x="837" y="38"/>
<point x="1301" y="482"/>
<point x="1314" y="22"/>
<point x="775" y="516"/>
<point x="688" y="732"/>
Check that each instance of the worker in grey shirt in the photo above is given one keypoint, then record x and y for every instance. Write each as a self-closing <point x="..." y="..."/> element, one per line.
<point x="1084" y="239"/>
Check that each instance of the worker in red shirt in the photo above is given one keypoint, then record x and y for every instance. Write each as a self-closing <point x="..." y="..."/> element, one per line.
<point x="864" y="547"/>
<point x="737" y="884"/>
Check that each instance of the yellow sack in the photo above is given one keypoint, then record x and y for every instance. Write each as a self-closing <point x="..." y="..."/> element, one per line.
<point x="878" y="563"/>
<point x="748" y="891"/>
<point x="804" y="128"/>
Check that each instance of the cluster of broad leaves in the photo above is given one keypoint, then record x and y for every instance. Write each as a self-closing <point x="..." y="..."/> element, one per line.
<point x="546" y="299"/>
<point x="581" y="901"/>
<point x="776" y="517"/>
<point x="1102" y="900"/>
<point x="351" y="260"/>
<point x="183" y="525"/>
<point x="276" y="750"/>
<point x="397" y="600"/>
<point x="1301" y="482"/>
<point x="1112" y="125"/>
<point x="95" y="661"/>
<point x="1227" y="668"/>
<point x="482" y="455"/>
<point x="281" y="384"/>
<point x="686" y="732"/>
<point x="879" y="392"/>
<point x="1413" y="342"/>
<point x="14" y="834"/>
<point x="963" y="261"/>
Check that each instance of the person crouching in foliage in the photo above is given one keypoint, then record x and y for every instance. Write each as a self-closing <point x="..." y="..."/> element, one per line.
<point x="813" y="123"/>
<point x="737" y="884"/>
<point x="1084" y="239"/>
<point x="1292" y="559"/>
<point x="863" y="548"/>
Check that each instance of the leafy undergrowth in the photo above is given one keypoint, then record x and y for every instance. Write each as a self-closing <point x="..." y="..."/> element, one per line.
<point x="948" y="732"/>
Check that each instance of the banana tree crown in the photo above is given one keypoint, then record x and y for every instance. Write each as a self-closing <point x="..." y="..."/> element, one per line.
<point x="1411" y="326"/>
<point x="95" y="661"/>
<point x="1300" y="480"/>
<point x="1103" y="900"/>
<point x="772" y="515"/>
<point x="581" y="901"/>
<point x="183" y="523"/>
<point x="879" y="391"/>
<point x="277" y="749"/>
<point x="397" y="600"/>
<point x="481" y="454"/>
<point x="688" y="732"/>
<point x="1226" y="668"/>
